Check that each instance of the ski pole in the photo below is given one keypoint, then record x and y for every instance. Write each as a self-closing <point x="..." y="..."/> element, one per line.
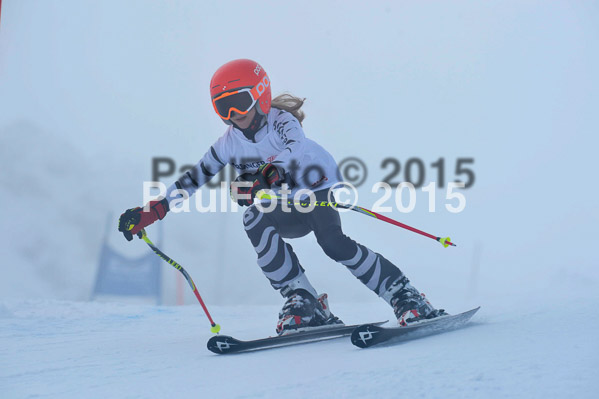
<point x="445" y="241"/>
<point x="215" y="328"/>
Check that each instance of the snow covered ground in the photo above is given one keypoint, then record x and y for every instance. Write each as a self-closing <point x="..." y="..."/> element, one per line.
<point x="59" y="349"/>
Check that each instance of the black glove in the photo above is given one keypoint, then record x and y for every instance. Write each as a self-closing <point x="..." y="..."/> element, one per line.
<point x="263" y="179"/>
<point x="271" y="174"/>
<point x="133" y="220"/>
<point x="244" y="194"/>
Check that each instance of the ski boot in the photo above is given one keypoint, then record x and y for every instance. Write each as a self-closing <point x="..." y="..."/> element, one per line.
<point x="302" y="312"/>
<point x="409" y="305"/>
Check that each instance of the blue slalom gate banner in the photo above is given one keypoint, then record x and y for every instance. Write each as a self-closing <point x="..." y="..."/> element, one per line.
<point x="119" y="275"/>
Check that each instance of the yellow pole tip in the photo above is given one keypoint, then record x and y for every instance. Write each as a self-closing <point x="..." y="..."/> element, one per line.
<point x="444" y="240"/>
<point x="215" y="329"/>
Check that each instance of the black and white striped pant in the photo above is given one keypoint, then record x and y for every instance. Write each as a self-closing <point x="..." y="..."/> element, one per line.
<point x="279" y="263"/>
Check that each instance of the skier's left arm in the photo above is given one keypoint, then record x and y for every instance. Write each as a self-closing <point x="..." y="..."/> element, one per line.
<point x="292" y="141"/>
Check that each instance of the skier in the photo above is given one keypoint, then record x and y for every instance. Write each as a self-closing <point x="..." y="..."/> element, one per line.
<point x="266" y="144"/>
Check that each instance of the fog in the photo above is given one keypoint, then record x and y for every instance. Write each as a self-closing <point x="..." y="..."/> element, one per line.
<point x="91" y="92"/>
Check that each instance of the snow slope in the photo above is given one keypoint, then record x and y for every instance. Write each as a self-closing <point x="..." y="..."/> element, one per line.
<point x="57" y="349"/>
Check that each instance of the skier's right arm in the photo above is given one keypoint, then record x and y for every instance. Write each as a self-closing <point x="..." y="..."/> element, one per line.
<point x="210" y="164"/>
<point x="132" y="221"/>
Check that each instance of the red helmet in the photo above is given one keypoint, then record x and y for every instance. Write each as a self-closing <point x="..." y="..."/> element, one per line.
<point x="238" y="86"/>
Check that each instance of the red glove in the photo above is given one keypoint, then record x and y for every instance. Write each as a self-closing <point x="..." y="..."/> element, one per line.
<point x="132" y="221"/>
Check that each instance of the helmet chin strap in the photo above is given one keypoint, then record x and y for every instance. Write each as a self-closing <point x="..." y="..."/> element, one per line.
<point x="258" y="121"/>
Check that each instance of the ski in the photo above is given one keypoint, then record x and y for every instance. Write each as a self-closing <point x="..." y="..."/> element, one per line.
<point x="368" y="335"/>
<point x="224" y="344"/>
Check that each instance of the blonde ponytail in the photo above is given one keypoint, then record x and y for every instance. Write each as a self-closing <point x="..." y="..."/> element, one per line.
<point x="291" y="104"/>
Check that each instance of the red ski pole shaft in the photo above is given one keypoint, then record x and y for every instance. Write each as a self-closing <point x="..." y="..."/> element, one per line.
<point x="445" y="241"/>
<point x="215" y="328"/>
<point x="405" y="226"/>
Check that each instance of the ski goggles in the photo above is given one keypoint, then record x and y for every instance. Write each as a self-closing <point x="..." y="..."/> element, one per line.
<point x="240" y="101"/>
